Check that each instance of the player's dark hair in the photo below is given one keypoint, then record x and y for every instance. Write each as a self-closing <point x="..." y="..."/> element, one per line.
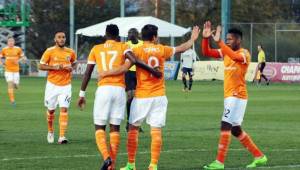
<point x="236" y="32"/>
<point x="148" y="32"/>
<point x="112" y="31"/>
<point x="59" y="31"/>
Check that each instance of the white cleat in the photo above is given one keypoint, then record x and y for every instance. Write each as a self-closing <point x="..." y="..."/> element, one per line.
<point x="62" y="140"/>
<point x="50" y="137"/>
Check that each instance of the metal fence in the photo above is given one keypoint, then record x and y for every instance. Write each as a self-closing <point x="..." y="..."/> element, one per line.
<point x="279" y="40"/>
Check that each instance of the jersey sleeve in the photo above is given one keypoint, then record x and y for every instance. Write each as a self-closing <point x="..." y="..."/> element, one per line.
<point x="240" y="56"/>
<point x="168" y="51"/>
<point x="126" y="48"/>
<point x="207" y="51"/>
<point x="45" y="57"/>
<point x="92" y="57"/>
<point x="73" y="57"/>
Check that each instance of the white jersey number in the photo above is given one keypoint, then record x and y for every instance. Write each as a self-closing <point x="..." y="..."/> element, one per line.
<point x="112" y="57"/>
<point x="153" y="62"/>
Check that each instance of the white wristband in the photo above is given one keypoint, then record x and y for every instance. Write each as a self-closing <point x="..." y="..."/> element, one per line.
<point x="82" y="93"/>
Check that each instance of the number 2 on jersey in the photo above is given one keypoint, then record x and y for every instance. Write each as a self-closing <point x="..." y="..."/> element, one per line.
<point x="112" y="57"/>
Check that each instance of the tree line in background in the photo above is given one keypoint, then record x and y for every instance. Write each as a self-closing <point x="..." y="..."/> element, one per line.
<point x="50" y="15"/>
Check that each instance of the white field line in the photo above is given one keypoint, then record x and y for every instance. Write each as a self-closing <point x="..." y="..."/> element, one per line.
<point x="142" y="152"/>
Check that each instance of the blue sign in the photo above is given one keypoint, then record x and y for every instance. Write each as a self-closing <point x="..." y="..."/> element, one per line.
<point x="171" y="70"/>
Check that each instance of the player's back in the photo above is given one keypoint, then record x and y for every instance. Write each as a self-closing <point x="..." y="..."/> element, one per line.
<point x="154" y="55"/>
<point x="108" y="56"/>
<point x="234" y="75"/>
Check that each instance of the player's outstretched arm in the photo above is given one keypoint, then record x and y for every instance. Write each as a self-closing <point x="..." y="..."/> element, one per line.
<point x="86" y="78"/>
<point x="188" y="44"/>
<point x="116" y="71"/>
<point x="139" y="63"/>
<point x="206" y="34"/>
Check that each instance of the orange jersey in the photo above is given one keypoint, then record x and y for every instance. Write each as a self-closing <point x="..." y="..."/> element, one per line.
<point x="55" y="56"/>
<point x="235" y="67"/>
<point x="107" y="56"/>
<point x="12" y="56"/>
<point x="154" y="55"/>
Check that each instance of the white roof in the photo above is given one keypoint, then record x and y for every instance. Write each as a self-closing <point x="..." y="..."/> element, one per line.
<point x="165" y="29"/>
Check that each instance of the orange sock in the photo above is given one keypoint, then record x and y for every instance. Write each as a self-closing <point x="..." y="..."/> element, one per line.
<point x="224" y="143"/>
<point x="114" y="145"/>
<point x="63" y="123"/>
<point x="101" y="143"/>
<point x="11" y="95"/>
<point x="132" y="142"/>
<point x="50" y="119"/>
<point x="247" y="142"/>
<point x="156" y="143"/>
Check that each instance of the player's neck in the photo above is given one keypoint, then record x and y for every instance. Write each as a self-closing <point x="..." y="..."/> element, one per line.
<point x="60" y="47"/>
<point x="134" y="41"/>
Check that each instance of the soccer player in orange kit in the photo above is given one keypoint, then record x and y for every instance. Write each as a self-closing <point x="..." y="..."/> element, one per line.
<point x="11" y="55"/>
<point x="236" y="62"/>
<point x="110" y="99"/>
<point x="59" y="62"/>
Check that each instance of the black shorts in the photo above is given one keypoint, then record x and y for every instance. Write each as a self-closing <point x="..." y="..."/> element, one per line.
<point x="130" y="80"/>
<point x="261" y="66"/>
<point x="187" y="71"/>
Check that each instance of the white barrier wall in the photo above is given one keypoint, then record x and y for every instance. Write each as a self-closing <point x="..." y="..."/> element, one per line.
<point x="208" y="70"/>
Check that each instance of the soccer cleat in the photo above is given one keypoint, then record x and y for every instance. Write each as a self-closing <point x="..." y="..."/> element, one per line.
<point x="216" y="165"/>
<point x="50" y="137"/>
<point x="129" y="166"/>
<point x="268" y="82"/>
<point x="106" y="164"/>
<point x="152" y="167"/>
<point x="14" y="104"/>
<point x="62" y="140"/>
<point x="258" y="162"/>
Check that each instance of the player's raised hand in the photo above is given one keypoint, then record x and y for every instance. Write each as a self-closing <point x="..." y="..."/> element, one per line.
<point x="217" y="35"/>
<point x="81" y="103"/>
<point x="195" y="33"/>
<point x="207" y="32"/>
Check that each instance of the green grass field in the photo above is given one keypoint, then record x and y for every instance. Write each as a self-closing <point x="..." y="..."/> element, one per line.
<point x="190" y="136"/>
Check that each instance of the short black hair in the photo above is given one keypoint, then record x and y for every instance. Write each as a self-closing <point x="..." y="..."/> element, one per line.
<point x="112" y="31"/>
<point x="148" y="32"/>
<point x="59" y="31"/>
<point x="260" y="46"/>
<point x="236" y="32"/>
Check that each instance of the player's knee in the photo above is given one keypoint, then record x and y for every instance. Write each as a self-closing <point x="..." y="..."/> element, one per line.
<point x="236" y="131"/>
<point x="114" y="128"/>
<point x="225" y="126"/>
<point x="100" y="127"/>
<point x="64" y="109"/>
<point x="51" y="111"/>
<point x="133" y="127"/>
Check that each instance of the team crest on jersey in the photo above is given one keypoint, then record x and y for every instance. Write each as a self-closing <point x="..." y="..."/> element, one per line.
<point x="68" y="58"/>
